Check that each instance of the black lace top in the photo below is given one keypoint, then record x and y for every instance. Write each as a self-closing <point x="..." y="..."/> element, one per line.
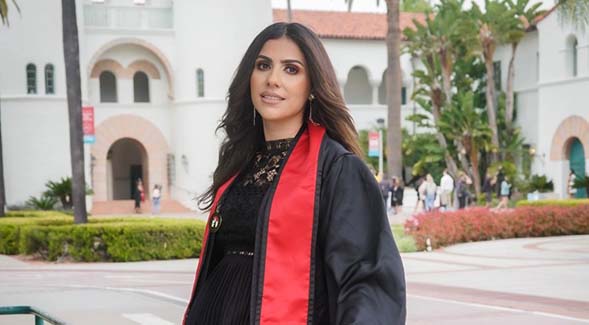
<point x="225" y="294"/>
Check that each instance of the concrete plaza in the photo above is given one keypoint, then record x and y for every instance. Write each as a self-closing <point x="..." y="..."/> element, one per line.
<point x="517" y="281"/>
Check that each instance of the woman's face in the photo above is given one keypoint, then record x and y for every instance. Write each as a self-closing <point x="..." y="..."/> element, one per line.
<point x="280" y="84"/>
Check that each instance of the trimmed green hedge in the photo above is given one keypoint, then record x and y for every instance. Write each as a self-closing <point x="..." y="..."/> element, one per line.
<point x="558" y="203"/>
<point x="55" y="237"/>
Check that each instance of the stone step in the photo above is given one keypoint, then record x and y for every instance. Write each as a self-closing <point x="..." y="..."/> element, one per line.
<point x="128" y="207"/>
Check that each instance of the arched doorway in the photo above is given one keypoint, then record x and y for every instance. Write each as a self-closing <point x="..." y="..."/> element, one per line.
<point x="577" y="163"/>
<point x="127" y="161"/>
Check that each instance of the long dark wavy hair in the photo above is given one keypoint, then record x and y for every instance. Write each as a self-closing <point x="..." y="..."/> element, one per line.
<point x="243" y="138"/>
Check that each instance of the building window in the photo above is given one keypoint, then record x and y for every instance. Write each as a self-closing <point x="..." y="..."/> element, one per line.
<point x="200" y="83"/>
<point x="497" y="74"/>
<point x="108" y="87"/>
<point x="141" y="87"/>
<point x="31" y="79"/>
<point x="49" y="79"/>
<point x="404" y="95"/>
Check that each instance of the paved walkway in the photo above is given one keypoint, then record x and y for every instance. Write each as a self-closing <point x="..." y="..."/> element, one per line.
<point x="517" y="281"/>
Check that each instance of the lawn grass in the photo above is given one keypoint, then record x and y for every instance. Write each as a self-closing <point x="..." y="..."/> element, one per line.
<point x="405" y="243"/>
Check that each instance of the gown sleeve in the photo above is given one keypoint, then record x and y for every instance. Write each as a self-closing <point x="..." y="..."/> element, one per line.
<point x="360" y="255"/>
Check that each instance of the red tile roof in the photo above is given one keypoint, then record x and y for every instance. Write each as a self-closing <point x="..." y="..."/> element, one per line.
<point x="347" y="25"/>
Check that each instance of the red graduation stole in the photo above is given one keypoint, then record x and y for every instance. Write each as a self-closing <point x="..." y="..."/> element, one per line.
<point x="287" y="260"/>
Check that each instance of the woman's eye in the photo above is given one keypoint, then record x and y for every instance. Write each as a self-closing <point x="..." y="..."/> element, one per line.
<point x="263" y="66"/>
<point x="291" y="70"/>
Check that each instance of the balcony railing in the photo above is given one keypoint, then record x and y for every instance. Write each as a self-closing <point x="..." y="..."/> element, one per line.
<point x="128" y="17"/>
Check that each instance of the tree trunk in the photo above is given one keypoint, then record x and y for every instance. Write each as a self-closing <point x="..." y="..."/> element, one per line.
<point x="2" y="189"/>
<point x="450" y="162"/>
<point x="394" y="134"/>
<point x="446" y="76"/>
<point x="474" y="160"/>
<point x="509" y="104"/>
<point x="491" y="107"/>
<point x="71" y="54"/>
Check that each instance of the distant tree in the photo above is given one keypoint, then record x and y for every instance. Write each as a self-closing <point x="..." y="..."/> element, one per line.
<point x="574" y="13"/>
<point x="4" y="18"/>
<point x="393" y="90"/>
<point x="415" y="6"/>
<point x="71" y="52"/>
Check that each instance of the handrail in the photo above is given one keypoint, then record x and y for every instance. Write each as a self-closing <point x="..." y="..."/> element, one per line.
<point x="39" y="315"/>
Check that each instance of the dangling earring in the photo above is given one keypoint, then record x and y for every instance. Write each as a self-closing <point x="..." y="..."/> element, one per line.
<point x="254" y="115"/>
<point x="311" y="98"/>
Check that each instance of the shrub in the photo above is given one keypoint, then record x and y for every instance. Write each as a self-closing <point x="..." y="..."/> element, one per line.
<point x="55" y="237"/>
<point x="45" y="202"/>
<point x="479" y="224"/>
<point x="560" y="203"/>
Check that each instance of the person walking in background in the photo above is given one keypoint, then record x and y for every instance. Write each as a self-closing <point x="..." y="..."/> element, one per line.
<point x="431" y="190"/>
<point x="499" y="179"/>
<point x="385" y="189"/>
<point x="420" y="189"/>
<point x="505" y="192"/>
<point x="488" y="189"/>
<point x="461" y="191"/>
<point x="397" y="195"/>
<point x="155" y="199"/>
<point x="571" y="190"/>
<point x="446" y="188"/>
<point x="139" y="196"/>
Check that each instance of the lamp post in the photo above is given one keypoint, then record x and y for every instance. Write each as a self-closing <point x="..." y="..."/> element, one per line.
<point x="380" y="123"/>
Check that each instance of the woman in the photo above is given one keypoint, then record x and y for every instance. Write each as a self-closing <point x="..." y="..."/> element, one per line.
<point x="505" y="192"/>
<point x="571" y="189"/>
<point x="298" y="231"/>
<point x="431" y="189"/>
<point x="155" y="199"/>
<point x="397" y="195"/>
<point x="138" y="195"/>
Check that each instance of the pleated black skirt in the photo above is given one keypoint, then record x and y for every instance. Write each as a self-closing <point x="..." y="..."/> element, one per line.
<point x="225" y="295"/>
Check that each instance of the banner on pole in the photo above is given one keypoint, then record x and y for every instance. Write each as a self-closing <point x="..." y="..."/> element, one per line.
<point x="88" y="124"/>
<point x="373" y="145"/>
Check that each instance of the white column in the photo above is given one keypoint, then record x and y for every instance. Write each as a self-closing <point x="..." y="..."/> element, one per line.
<point x="375" y="84"/>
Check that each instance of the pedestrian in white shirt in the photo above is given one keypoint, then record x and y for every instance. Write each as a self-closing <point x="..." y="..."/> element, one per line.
<point x="446" y="188"/>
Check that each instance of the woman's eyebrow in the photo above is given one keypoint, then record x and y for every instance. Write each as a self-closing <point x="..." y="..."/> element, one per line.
<point x="282" y="61"/>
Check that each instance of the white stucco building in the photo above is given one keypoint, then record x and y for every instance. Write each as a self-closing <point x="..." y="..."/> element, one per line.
<point x="157" y="72"/>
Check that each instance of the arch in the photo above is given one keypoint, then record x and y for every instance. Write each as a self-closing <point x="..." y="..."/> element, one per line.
<point x="139" y="42"/>
<point x="31" y="71"/>
<point x="132" y="127"/>
<point x="140" y="87"/>
<point x="108" y="87"/>
<point x="126" y="162"/>
<point x="358" y="89"/>
<point x="382" y="96"/>
<point x="569" y="128"/>
<point x="107" y="65"/>
<point x="576" y="157"/>
<point x="145" y="66"/>
<point x="49" y="79"/>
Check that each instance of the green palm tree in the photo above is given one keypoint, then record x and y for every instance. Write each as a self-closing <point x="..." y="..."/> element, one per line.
<point x="393" y="91"/>
<point x="494" y="26"/>
<point x="4" y="18"/>
<point x="71" y="52"/>
<point x="423" y="43"/>
<point x="574" y="13"/>
<point x="527" y="17"/>
<point x="4" y="11"/>
<point x="463" y="123"/>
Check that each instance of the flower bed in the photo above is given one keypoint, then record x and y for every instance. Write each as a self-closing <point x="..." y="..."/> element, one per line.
<point x="479" y="224"/>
